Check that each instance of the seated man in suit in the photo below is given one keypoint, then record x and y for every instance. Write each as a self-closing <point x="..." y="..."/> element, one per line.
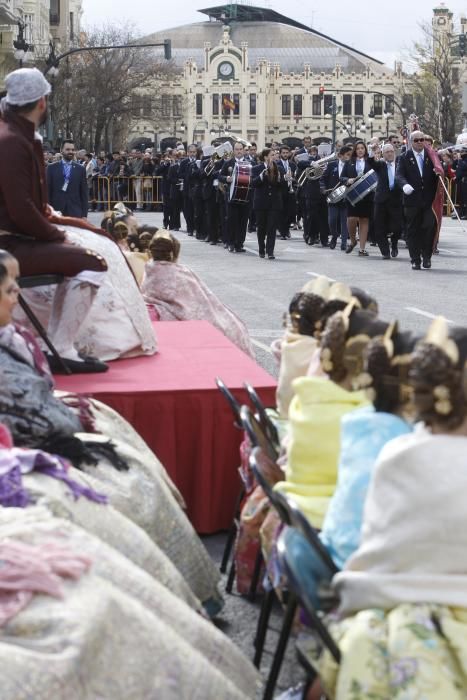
<point x="25" y="227"/>
<point x="67" y="184"/>
<point x="388" y="203"/>
<point x="417" y="174"/>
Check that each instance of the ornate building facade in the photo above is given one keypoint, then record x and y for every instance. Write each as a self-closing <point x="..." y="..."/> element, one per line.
<point x="43" y="21"/>
<point x="264" y="77"/>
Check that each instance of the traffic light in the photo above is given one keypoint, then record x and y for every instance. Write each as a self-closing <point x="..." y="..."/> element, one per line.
<point x="167" y="49"/>
<point x="462" y="44"/>
<point x="321" y="91"/>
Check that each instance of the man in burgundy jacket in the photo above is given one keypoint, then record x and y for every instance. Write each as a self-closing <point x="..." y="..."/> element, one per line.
<point x="25" y="229"/>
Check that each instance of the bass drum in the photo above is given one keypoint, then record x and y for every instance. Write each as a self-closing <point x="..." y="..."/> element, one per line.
<point x="241" y="183"/>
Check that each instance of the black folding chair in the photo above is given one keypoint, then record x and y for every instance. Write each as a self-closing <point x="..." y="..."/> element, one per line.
<point x="28" y="282"/>
<point x="265" y="421"/>
<point x="257" y="434"/>
<point x="234" y="406"/>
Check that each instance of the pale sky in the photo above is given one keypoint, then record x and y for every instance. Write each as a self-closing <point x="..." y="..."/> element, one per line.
<point x="384" y="30"/>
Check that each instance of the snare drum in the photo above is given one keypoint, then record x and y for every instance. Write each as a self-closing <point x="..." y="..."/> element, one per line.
<point x="241" y="181"/>
<point x="337" y="195"/>
<point x="362" y="187"/>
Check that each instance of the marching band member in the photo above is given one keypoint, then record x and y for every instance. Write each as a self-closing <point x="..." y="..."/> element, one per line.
<point x="314" y="206"/>
<point x="337" y="213"/>
<point x="358" y="215"/>
<point x="209" y="194"/>
<point x="288" y="168"/>
<point x="269" y="185"/>
<point x="176" y="187"/>
<point x="237" y="212"/>
<point x="184" y="175"/>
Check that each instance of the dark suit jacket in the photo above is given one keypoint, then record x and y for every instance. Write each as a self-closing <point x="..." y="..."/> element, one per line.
<point x="350" y="169"/>
<point x="267" y="195"/>
<point x="224" y="174"/>
<point x="330" y="179"/>
<point x="382" y="192"/>
<point x="408" y="173"/>
<point x="73" y="202"/>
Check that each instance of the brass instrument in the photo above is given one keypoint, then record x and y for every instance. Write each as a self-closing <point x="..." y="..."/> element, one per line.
<point x="228" y="135"/>
<point x="225" y="149"/>
<point x="316" y="169"/>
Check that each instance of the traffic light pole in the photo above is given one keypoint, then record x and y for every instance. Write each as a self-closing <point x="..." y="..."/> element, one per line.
<point x="53" y="60"/>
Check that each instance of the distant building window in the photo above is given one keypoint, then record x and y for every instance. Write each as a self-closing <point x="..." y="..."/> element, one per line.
<point x="253" y="104"/>
<point x="347" y="105"/>
<point x="389" y="104"/>
<point x="419" y="104"/>
<point x="455" y="75"/>
<point x="29" y="28"/>
<point x="316" y="105"/>
<point x="286" y="105"/>
<point x="236" y="101"/>
<point x="199" y="105"/>
<point x="72" y="26"/>
<point x="54" y="12"/>
<point x="177" y="105"/>
<point x="215" y="104"/>
<point x="358" y="105"/>
<point x="165" y="105"/>
<point x="297" y="105"/>
<point x="407" y="102"/>
<point x="327" y="104"/>
<point x="146" y="104"/>
<point x="378" y="105"/>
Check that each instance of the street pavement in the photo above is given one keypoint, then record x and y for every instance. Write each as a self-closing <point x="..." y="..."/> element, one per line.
<point x="259" y="290"/>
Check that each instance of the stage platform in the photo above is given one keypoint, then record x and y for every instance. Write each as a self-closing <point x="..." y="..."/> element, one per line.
<point x="172" y="400"/>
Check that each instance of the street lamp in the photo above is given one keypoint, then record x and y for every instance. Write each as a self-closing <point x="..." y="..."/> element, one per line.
<point x="20" y="45"/>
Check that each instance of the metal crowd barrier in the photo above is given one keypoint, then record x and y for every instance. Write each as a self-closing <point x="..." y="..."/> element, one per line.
<point x="140" y="191"/>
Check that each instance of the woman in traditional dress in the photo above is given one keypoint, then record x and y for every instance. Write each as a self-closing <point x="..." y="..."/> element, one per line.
<point x="405" y="589"/>
<point x="79" y="620"/>
<point x="125" y="469"/>
<point x="178" y="294"/>
<point x="118" y="323"/>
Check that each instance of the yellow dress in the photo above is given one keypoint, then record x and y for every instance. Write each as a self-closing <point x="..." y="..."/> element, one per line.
<point x="314" y="443"/>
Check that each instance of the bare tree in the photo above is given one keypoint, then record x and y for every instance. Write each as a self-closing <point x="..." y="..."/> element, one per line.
<point x="434" y="85"/>
<point x="96" y="92"/>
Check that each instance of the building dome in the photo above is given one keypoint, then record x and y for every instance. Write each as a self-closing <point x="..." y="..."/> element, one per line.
<point x="270" y="36"/>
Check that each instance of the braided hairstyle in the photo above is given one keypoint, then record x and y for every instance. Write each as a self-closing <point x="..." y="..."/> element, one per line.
<point x="164" y="247"/>
<point x="344" y="341"/>
<point x="115" y="223"/>
<point x="439" y="383"/>
<point x="386" y="372"/>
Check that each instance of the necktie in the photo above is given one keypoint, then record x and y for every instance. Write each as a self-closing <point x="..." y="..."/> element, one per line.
<point x="420" y="163"/>
<point x="390" y="176"/>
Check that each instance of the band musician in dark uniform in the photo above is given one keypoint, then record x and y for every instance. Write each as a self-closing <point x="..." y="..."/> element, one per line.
<point x="237" y="212"/>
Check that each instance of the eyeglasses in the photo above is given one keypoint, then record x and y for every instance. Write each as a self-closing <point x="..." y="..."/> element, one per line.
<point x="418" y="140"/>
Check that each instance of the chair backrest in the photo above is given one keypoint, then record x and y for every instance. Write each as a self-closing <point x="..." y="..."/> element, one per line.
<point x="301" y="568"/>
<point x="256" y="434"/>
<point x="266" y="423"/>
<point x="265" y="470"/>
<point x="301" y="523"/>
<point x="231" y="400"/>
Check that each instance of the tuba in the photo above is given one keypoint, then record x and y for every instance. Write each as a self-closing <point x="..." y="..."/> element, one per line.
<point x="225" y="149"/>
<point x="316" y="169"/>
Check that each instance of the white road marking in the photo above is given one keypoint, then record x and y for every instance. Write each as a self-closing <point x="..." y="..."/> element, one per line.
<point x="447" y="250"/>
<point x="320" y="274"/>
<point x="427" y="314"/>
<point x="261" y="345"/>
<point x="251" y="250"/>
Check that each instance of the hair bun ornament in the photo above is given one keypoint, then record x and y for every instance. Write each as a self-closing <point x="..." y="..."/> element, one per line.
<point x="342" y="292"/>
<point x="320" y="286"/>
<point x="443" y="403"/>
<point x="438" y="335"/>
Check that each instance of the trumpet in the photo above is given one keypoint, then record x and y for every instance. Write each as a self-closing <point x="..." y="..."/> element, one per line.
<point x="228" y="135"/>
<point x="316" y="169"/>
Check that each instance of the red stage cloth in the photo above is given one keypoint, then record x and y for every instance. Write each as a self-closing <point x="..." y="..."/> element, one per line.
<point x="171" y="399"/>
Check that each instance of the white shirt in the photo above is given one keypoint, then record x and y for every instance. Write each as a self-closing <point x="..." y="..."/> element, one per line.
<point x="341" y="167"/>
<point x="360" y="165"/>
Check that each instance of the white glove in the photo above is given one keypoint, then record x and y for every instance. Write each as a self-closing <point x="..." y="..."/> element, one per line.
<point x="407" y="189"/>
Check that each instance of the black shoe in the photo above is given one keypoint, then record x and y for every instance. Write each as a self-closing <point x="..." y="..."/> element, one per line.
<point x="416" y="266"/>
<point x="350" y="248"/>
<point x="394" y="251"/>
<point x="262" y="255"/>
<point x="89" y="365"/>
<point x="426" y="263"/>
<point x="283" y="238"/>
<point x="240" y="250"/>
<point x="344" y="249"/>
<point x="231" y="249"/>
<point x="373" y="245"/>
<point x="271" y="257"/>
<point x="287" y="235"/>
<point x="436" y="251"/>
<point x="212" y="242"/>
<point x="225" y="245"/>
<point x="333" y="243"/>
<point x="386" y="257"/>
<point x="190" y="233"/>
